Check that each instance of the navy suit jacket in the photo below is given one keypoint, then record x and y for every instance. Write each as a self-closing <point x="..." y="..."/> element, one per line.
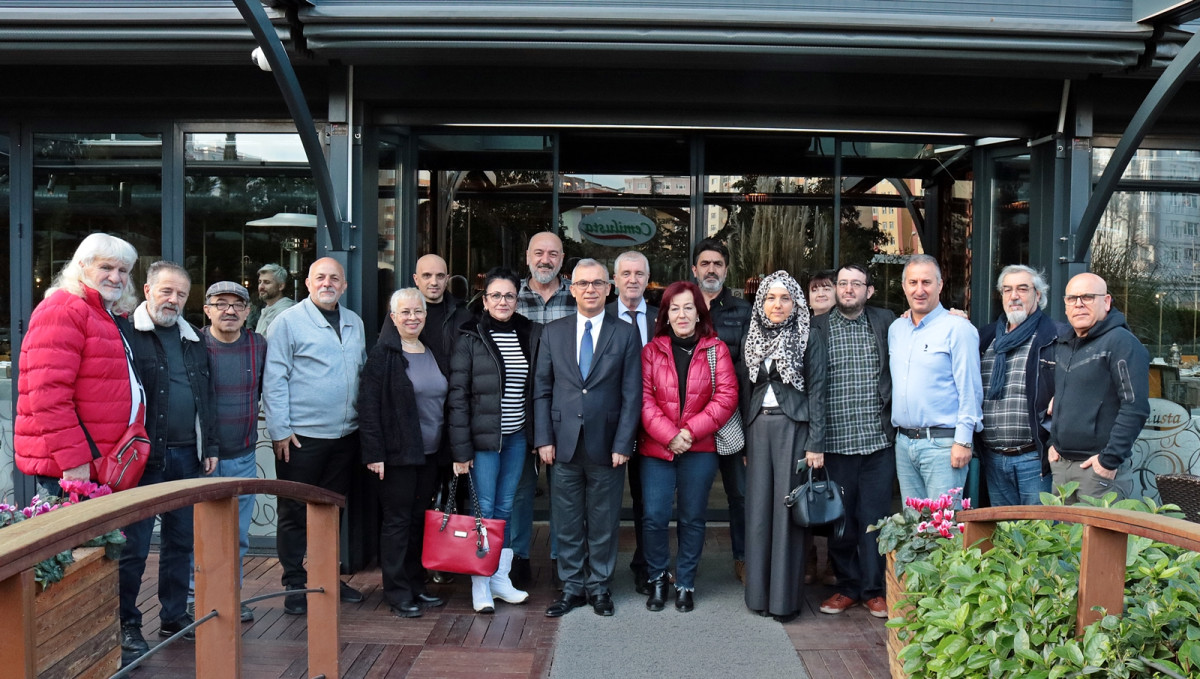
<point x="606" y="408"/>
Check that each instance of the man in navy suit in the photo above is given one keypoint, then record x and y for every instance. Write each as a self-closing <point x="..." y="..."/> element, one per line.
<point x="631" y="275"/>
<point x="587" y="405"/>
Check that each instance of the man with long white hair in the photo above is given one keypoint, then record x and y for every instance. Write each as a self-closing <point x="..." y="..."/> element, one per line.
<point x="75" y="378"/>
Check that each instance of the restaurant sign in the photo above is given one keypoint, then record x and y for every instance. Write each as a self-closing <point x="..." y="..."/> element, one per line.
<point x="617" y="228"/>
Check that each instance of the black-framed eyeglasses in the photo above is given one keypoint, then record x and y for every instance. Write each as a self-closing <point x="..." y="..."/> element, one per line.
<point x="501" y="297"/>
<point x="857" y="285"/>
<point x="225" y="306"/>
<point x="584" y="285"/>
<point x="1086" y="298"/>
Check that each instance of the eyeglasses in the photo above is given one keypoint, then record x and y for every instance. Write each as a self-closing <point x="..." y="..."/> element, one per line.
<point x="584" y="285"/>
<point x="497" y="297"/>
<point x="857" y="285"/>
<point x="1088" y="298"/>
<point x="225" y="306"/>
<point x="406" y="313"/>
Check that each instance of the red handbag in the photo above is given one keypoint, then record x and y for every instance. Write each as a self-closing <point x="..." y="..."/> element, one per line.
<point x="458" y="543"/>
<point x="121" y="468"/>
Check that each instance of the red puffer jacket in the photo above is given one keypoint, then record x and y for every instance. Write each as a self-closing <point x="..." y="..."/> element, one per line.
<point x="72" y="361"/>
<point x="704" y="411"/>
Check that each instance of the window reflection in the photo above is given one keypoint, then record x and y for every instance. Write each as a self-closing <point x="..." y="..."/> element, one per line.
<point x="88" y="183"/>
<point x="6" y="374"/>
<point x="249" y="200"/>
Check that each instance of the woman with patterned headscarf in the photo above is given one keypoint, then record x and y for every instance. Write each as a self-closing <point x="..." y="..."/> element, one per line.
<point x="785" y="418"/>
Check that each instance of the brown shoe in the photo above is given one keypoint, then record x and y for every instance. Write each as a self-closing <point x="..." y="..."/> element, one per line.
<point x="877" y="606"/>
<point x="810" y="567"/>
<point x="837" y="603"/>
<point x="739" y="570"/>
<point x="828" y="577"/>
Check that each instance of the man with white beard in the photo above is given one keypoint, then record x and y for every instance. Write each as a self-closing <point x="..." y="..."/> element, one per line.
<point x="1018" y="385"/>
<point x="172" y="363"/>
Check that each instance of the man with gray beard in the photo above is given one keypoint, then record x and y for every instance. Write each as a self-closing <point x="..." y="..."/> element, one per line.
<point x="731" y="319"/>
<point x="173" y="366"/>
<point x="1018" y="385"/>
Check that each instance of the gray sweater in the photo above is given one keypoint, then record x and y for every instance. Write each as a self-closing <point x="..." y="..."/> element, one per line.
<point x="310" y="383"/>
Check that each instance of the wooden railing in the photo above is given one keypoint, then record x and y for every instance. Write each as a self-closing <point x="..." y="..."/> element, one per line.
<point x="218" y="585"/>
<point x="1102" y="555"/>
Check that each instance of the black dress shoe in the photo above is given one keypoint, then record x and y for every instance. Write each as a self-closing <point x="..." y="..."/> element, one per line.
<point x="641" y="579"/>
<point x="520" y="574"/>
<point x="602" y="604"/>
<point x="349" y="594"/>
<point x="565" y="604"/>
<point x="658" y="594"/>
<point x="683" y="601"/>
<point x="407" y="609"/>
<point x="430" y="601"/>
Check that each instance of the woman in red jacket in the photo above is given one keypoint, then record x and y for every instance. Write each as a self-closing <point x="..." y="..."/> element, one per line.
<point x="682" y="408"/>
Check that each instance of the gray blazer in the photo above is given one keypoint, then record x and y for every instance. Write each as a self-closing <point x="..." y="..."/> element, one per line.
<point x="606" y="408"/>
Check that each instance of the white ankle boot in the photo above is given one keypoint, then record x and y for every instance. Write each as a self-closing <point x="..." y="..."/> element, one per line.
<point x="481" y="594"/>
<point x="502" y="588"/>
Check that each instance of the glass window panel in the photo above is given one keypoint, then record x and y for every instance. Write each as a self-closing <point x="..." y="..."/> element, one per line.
<point x="658" y="231"/>
<point x="88" y="183"/>
<point x="1011" y="187"/>
<point x="1147" y="247"/>
<point x="249" y="200"/>
<point x="6" y="373"/>
<point x="1153" y="164"/>
<point x="387" y="209"/>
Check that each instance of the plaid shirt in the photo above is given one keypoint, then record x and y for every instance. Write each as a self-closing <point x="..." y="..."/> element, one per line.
<point x="533" y="306"/>
<point x="237" y="370"/>
<point x="1006" y="420"/>
<point x="853" y="407"/>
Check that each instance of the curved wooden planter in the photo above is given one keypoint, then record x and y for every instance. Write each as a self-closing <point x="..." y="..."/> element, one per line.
<point x="895" y="590"/>
<point x="77" y="631"/>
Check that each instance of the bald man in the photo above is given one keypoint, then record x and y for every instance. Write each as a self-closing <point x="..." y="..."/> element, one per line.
<point x="444" y="313"/>
<point x="315" y="351"/>
<point x="1101" y="393"/>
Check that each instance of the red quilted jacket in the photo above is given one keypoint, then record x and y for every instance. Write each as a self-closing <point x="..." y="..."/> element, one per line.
<point x="72" y="361"/>
<point x="704" y="411"/>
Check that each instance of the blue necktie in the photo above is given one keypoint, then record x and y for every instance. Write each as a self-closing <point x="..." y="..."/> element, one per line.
<point x="585" y="350"/>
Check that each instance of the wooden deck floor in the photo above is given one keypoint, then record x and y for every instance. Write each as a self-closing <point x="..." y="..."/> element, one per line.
<point x="452" y="642"/>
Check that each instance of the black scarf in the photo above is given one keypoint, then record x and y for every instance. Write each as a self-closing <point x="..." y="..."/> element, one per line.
<point x="1007" y="340"/>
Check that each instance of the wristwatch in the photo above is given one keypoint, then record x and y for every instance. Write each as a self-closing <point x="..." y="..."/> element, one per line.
<point x="964" y="445"/>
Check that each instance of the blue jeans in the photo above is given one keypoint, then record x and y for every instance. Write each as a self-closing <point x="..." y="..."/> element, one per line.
<point x="241" y="467"/>
<point x="175" y="546"/>
<point x="1015" y="479"/>
<point x="685" y="482"/>
<point x="923" y="467"/>
<point x="496" y="475"/>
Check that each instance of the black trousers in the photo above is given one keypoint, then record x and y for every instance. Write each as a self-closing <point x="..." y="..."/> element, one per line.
<point x="404" y="494"/>
<point x="319" y="462"/>
<point x="867" y="482"/>
<point x="638" y="562"/>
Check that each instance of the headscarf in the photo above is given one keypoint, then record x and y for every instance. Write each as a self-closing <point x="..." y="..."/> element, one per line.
<point x="784" y="343"/>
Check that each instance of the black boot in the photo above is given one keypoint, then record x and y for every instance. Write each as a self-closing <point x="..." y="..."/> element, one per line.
<point x="683" y="601"/>
<point x="521" y="574"/>
<point x="658" y="594"/>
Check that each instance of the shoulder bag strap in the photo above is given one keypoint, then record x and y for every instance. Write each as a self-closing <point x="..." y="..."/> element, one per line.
<point x="88" y="436"/>
<point x="711" y="352"/>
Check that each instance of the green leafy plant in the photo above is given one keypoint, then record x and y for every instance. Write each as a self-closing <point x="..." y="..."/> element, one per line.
<point x="921" y="527"/>
<point x="1011" y="612"/>
<point x="51" y="570"/>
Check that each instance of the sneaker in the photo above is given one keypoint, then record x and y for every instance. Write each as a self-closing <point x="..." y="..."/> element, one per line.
<point x="837" y="603"/>
<point x="133" y="645"/>
<point x="295" y="604"/>
<point x="877" y="606"/>
<point x="173" y="627"/>
<point x="247" y="613"/>
<point x="350" y="595"/>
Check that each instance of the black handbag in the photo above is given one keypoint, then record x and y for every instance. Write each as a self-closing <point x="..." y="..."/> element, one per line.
<point x="816" y="502"/>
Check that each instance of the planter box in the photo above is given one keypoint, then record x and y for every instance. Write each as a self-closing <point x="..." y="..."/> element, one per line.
<point x="895" y="590"/>
<point x="77" y="630"/>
